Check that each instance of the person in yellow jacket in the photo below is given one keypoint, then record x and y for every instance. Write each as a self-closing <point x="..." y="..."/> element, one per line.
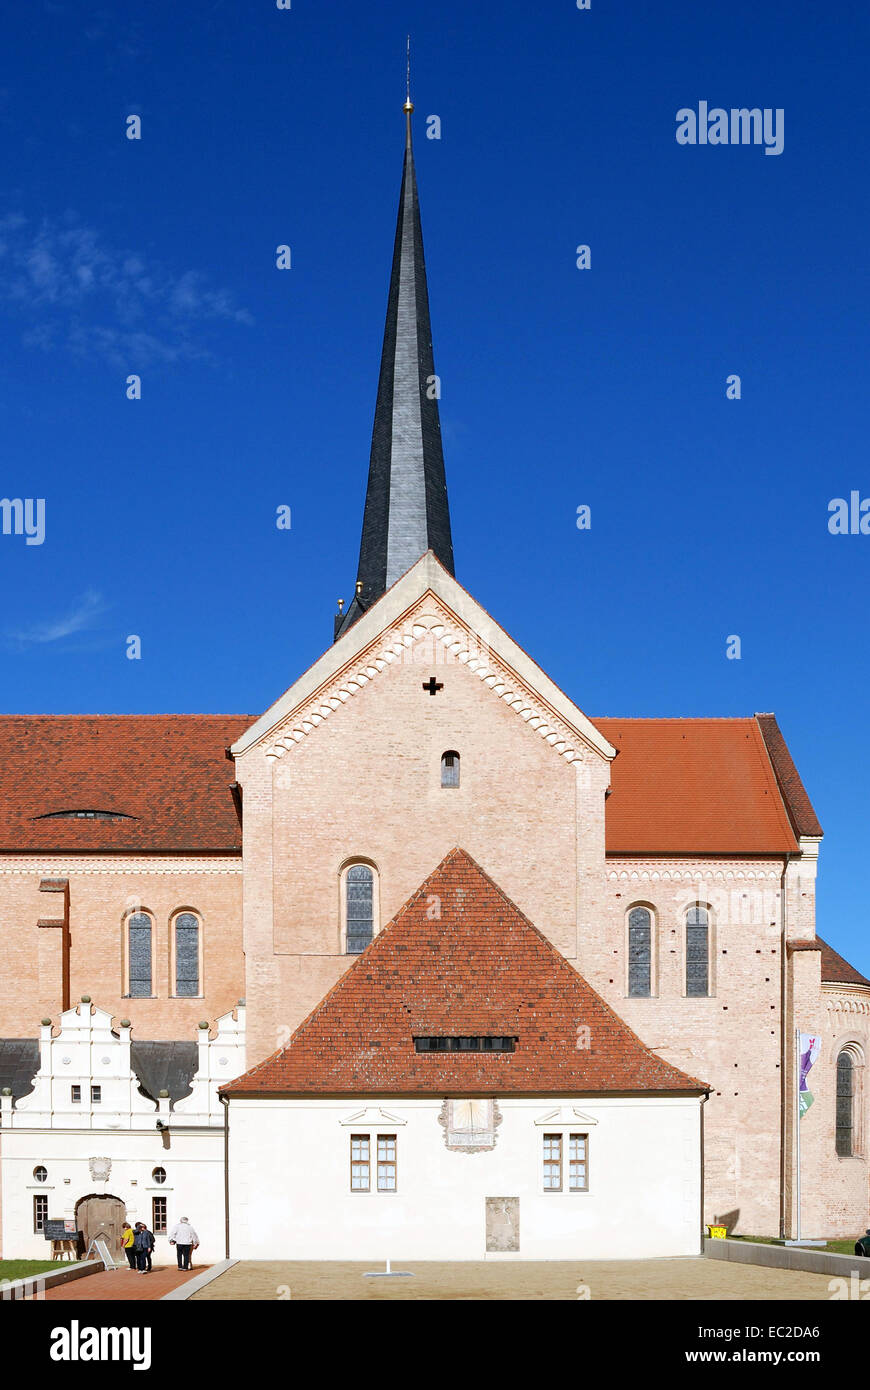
<point x="127" y="1235"/>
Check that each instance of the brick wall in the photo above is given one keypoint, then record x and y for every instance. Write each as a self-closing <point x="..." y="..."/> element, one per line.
<point x="101" y="892"/>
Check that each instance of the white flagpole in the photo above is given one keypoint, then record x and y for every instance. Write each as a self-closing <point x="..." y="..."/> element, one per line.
<point x="798" y="1115"/>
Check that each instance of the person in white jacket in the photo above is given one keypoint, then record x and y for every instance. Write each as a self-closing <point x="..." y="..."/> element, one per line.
<point x="185" y="1239"/>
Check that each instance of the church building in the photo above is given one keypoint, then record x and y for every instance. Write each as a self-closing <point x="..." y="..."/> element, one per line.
<point x="424" y="945"/>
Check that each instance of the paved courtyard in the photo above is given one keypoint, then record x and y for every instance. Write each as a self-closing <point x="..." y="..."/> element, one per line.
<point x="675" y="1279"/>
<point x="121" y="1285"/>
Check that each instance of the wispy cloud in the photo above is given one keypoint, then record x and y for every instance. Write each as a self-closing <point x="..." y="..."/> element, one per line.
<point x="83" y="615"/>
<point x="91" y="299"/>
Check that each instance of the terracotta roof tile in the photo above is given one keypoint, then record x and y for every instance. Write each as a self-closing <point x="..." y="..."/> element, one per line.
<point x="836" y="970"/>
<point x="693" y="786"/>
<point x="679" y="786"/>
<point x="479" y="967"/>
<point x="164" y="775"/>
<point x="798" y="804"/>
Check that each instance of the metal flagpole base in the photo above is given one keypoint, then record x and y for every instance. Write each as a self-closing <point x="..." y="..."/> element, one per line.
<point x="388" y="1273"/>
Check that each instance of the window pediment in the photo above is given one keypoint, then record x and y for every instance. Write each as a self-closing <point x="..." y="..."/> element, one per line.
<point x="373" y="1116"/>
<point x="565" y="1115"/>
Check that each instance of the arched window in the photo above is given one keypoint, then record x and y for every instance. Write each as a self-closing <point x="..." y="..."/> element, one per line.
<point x="639" y="952"/>
<point x="186" y="954"/>
<point x="697" y="950"/>
<point x="450" y="769"/>
<point x="845" y="1105"/>
<point x="139" y="955"/>
<point x="359" y="907"/>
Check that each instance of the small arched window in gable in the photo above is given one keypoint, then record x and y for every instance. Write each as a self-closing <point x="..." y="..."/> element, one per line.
<point x="359" y="906"/>
<point x="450" y="769"/>
<point x="639" y="952"/>
<point x="186" y="929"/>
<point x="139" y="955"/>
<point x="845" y="1105"/>
<point x="697" y="951"/>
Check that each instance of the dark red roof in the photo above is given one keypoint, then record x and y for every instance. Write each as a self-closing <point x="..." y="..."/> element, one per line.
<point x="798" y="804"/>
<point x="694" y="786"/>
<point x="165" y="775"/>
<point x="679" y="786"/>
<point x="836" y="970"/>
<point x="461" y="959"/>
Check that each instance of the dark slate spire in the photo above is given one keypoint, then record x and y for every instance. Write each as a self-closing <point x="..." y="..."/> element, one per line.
<point x="406" y="511"/>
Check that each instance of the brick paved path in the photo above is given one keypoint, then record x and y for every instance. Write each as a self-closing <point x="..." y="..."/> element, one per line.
<point x="122" y="1285"/>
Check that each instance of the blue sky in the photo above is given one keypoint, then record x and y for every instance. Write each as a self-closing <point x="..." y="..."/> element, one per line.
<point x="560" y="387"/>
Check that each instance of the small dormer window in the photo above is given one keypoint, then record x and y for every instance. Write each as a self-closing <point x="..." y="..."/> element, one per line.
<point x="450" y="769"/>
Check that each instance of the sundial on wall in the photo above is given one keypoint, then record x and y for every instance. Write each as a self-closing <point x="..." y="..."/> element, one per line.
<point x="470" y="1124"/>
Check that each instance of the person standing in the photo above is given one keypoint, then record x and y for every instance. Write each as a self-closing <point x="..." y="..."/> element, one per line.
<point x="185" y="1239"/>
<point x="128" y="1235"/>
<point x="143" y="1242"/>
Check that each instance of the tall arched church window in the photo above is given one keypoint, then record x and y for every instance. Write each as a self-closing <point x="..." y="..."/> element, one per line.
<point x="845" y="1105"/>
<point x="450" y="769"/>
<point x="697" y="951"/>
<point x="359" y="891"/>
<point x="139" y="950"/>
<point x="186" y="929"/>
<point x="639" y="952"/>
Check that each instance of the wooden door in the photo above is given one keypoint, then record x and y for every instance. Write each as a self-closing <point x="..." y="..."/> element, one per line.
<point x="102" y="1217"/>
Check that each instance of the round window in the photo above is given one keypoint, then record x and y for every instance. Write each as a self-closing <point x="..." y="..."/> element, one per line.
<point x="159" y="1175"/>
<point x="40" y="1173"/>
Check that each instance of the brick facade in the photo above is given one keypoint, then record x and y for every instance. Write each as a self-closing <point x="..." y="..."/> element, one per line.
<point x="102" y="893"/>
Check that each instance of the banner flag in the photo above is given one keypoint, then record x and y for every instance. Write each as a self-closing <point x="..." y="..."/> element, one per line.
<point x="809" y="1045"/>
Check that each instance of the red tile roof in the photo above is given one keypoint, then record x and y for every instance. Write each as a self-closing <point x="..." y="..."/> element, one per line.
<point x="166" y="772"/>
<point x="836" y="970"/>
<point x="695" y="786"/>
<point x="798" y="804"/>
<point x="479" y="967"/>
<point x="679" y="786"/>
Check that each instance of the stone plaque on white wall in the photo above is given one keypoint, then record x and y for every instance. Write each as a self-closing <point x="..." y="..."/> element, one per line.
<point x="502" y="1224"/>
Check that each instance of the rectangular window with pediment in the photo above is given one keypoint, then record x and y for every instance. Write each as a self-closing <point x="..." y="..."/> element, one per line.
<point x="566" y="1162"/>
<point x="578" y="1168"/>
<point x="552" y="1163"/>
<point x="386" y="1163"/>
<point x="360" y="1163"/>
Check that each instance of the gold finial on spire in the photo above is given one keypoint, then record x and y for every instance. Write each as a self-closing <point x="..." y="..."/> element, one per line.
<point x="409" y="105"/>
